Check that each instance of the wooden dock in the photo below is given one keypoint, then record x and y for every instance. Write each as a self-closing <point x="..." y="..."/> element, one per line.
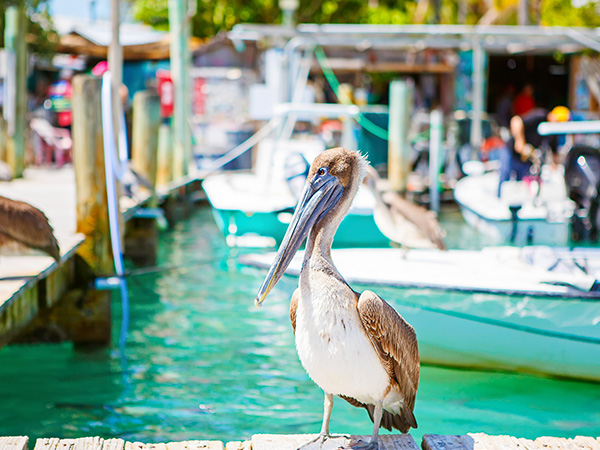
<point x="470" y="441"/>
<point x="33" y="282"/>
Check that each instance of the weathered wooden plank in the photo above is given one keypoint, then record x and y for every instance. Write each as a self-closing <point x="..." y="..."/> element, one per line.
<point x="293" y="441"/>
<point x="14" y="443"/>
<point x="46" y="443"/>
<point x="113" y="444"/>
<point x="442" y="442"/>
<point x="479" y="441"/>
<point x="548" y="442"/>
<point x="238" y="445"/>
<point x="66" y="444"/>
<point x="483" y="441"/>
<point x="142" y="446"/>
<point x="586" y="443"/>
<point x="88" y="443"/>
<point x="196" y="445"/>
<point x="526" y="444"/>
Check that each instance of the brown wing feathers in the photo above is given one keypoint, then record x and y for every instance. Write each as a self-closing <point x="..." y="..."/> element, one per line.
<point x="293" y="307"/>
<point x="27" y="225"/>
<point x="396" y="343"/>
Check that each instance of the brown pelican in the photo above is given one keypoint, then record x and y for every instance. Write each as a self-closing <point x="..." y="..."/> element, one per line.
<point x="25" y="226"/>
<point x="402" y="221"/>
<point x="352" y="345"/>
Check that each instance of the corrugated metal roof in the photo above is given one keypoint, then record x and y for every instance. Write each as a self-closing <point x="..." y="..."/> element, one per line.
<point x="493" y="38"/>
<point x="99" y="32"/>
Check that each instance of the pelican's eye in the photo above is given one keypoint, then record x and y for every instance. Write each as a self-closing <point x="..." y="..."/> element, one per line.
<point x="322" y="171"/>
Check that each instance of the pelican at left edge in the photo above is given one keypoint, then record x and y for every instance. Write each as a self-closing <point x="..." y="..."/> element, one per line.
<point x="352" y="345"/>
<point x="23" y="226"/>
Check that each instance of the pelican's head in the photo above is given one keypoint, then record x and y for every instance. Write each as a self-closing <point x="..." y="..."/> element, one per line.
<point x="330" y="187"/>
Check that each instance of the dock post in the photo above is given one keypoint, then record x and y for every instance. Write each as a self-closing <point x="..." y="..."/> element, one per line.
<point x="15" y="105"/>
<point x="436" y="156"/>
<point x="478" y="105"/>
<point x="144" y="141"/>
<point x="180" y="56"/>
<point x="164" y="171"/>
<point x="141" y="234"/>
<point x="92" y="209"/>
<point x="3" y="150"/>
<point x="401" y="99"/>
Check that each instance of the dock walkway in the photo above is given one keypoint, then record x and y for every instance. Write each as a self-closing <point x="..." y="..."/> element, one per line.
<point x="470" y="441"/>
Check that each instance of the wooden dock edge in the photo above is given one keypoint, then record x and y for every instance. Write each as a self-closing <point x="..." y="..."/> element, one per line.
<point x="38" y="291"/>
<point x="469" y="441"/>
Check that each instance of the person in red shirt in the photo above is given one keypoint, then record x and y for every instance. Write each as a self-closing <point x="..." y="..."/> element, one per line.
<point x="524" y="102"/>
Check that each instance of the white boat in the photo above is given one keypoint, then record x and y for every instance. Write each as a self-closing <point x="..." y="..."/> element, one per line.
<point x="527" y="212"/>
<point x="534" y="309"/>
<point x="254" y="209"/>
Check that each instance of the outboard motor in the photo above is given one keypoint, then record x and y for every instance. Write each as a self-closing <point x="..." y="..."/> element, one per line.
<point x="582" y="178"/>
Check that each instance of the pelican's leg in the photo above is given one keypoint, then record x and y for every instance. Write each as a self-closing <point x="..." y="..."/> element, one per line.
<point x="372" y="444"/>
<point x="324" y="434"/>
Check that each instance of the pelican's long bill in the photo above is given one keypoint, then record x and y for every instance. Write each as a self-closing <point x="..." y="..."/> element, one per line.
<point x="320" y="194"/>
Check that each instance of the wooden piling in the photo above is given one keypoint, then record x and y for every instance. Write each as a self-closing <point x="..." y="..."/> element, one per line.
<point x="90" y="181"/>
<point x="144" y="146"/>
<point x="180" y="62"/>
<point x="141" y="233"/>
<point x="401" y="99"/>
<point x="3" y="149"/>
<point x="16" y="102"/>
<point x="164" y="171"/>
<point x="91" y="199"/>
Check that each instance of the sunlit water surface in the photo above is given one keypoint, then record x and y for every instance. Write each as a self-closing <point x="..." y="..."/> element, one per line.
<point x="201" y="362"/>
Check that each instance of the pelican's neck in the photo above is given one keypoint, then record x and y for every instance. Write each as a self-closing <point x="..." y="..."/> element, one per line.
<point x="320" y="238"/>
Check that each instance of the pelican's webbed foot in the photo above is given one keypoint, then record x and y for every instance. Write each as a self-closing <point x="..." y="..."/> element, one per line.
<point x="320" y="440"/>
<point x="362" y="445"/>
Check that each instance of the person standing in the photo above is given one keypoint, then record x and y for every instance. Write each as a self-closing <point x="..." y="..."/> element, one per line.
<point x="518" y="157"/>
<point x="524" y="101"/>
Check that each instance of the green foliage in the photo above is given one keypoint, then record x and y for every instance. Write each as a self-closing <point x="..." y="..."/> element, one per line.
<point x="561" y="12"/>
<point x="331" y="11"/>
<point x="41" y="36"/>
<point x="389" y="15"/>
<point x="152" y="12"/>
<point x="214" y="16"/>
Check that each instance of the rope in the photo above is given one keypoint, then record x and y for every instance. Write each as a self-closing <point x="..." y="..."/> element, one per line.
<point x="265" y="131"/>
<point x="114" y="167"/>
<point x="368" y="125"/>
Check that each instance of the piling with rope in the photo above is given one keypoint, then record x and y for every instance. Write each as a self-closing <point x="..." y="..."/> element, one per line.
<point x="83" y="314"/>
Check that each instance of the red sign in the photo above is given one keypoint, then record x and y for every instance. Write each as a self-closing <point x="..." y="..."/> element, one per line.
<point x="166" y="93"/>
<point x="198" y="100"/>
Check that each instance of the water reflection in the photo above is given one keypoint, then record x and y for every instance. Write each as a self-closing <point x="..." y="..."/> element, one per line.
<point x="202" y="362"/>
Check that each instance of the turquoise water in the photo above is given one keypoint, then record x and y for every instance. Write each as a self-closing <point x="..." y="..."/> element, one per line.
<point x="201" y="362"/>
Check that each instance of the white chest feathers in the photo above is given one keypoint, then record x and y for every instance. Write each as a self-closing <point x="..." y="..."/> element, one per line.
<point x="331" y="342"/>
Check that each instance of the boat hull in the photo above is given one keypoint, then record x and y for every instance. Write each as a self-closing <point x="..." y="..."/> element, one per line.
<point x="491" y="311"/>
<point x="523" y="232"/>
<point x="451" y="340"/>
<point x="538" y="219"/>
<point x="258" y="229"/>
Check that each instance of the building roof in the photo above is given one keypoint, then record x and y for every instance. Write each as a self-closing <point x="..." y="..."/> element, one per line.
<point x="499" y="39"/>
<point x="84" y="37"/>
